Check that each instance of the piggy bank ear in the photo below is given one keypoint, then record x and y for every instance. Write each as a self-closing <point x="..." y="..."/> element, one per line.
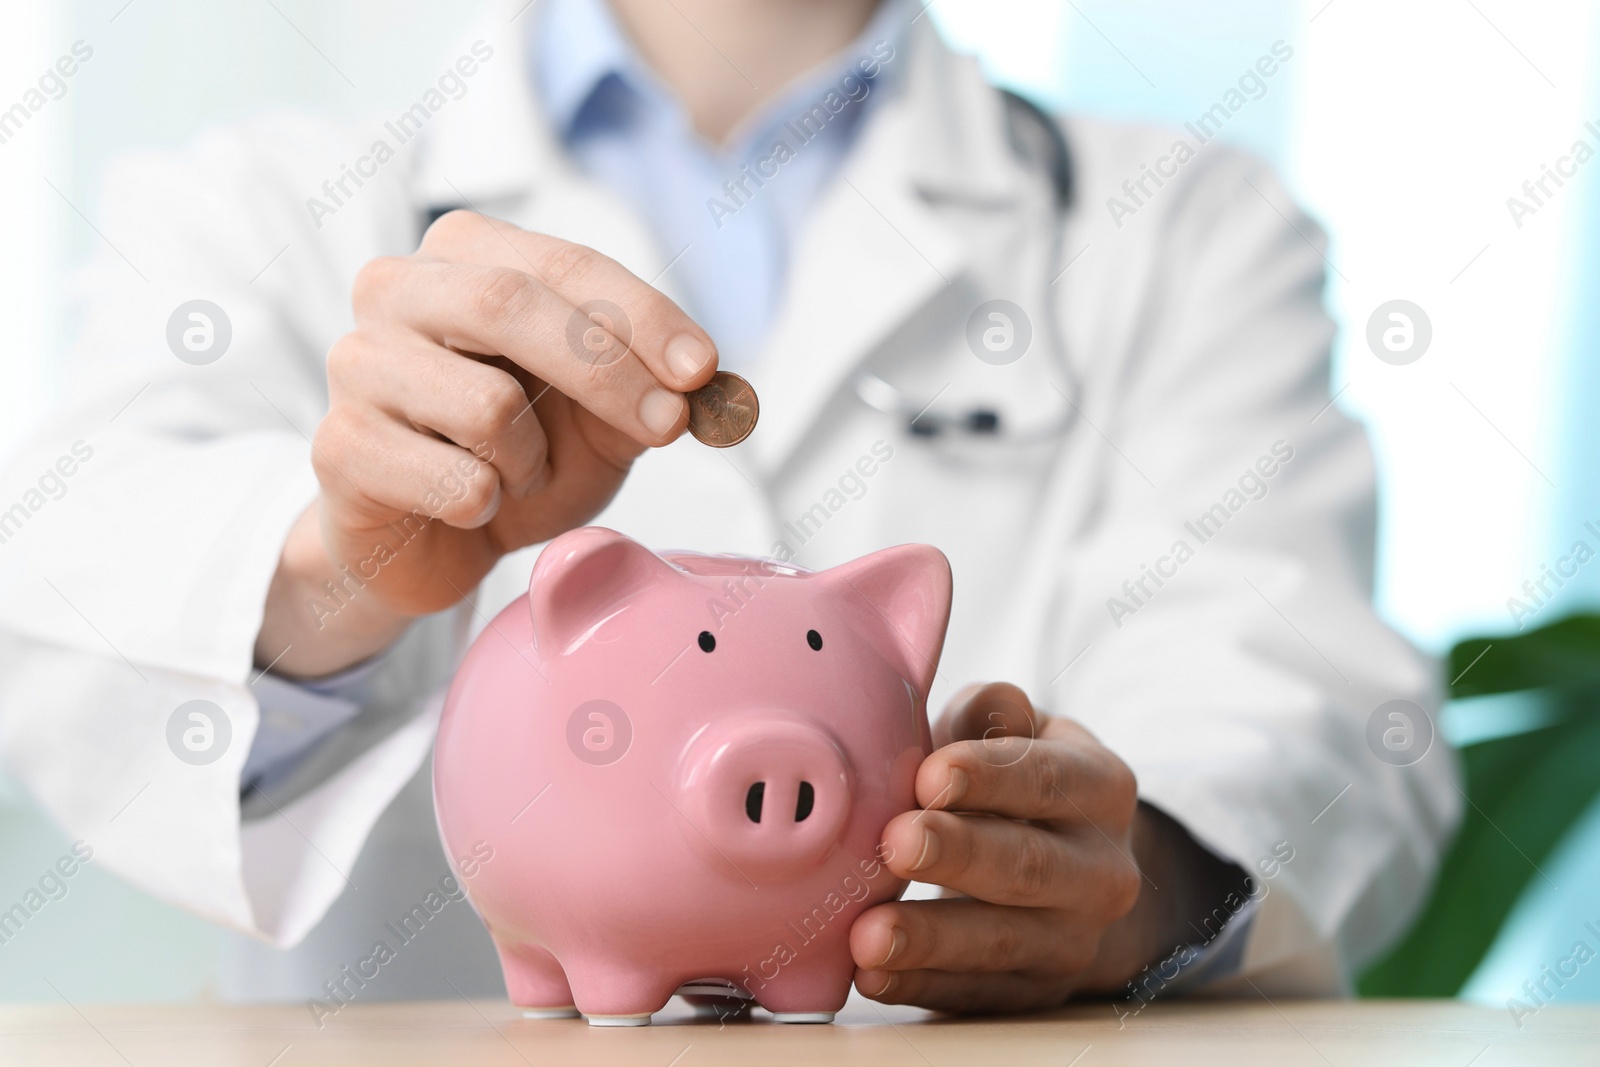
<point x="903" y="593"/>
<point x="583" y="577"/>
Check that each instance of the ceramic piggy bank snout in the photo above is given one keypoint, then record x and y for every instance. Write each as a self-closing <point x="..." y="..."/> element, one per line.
<point x="772" y="795"/>
<point x="680" y="767"/>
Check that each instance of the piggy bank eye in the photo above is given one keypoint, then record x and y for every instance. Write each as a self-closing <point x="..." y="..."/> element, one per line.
<point x="814" y="639"/>
<point x="707" y="642"/>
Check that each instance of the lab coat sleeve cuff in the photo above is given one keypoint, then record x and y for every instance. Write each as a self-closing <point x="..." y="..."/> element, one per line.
<point x="1218" y="956"/>
<point x="291" y="886"/>
<point x="297" y="714"/>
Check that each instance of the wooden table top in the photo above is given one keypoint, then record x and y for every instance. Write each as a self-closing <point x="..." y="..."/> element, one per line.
<point x="492" y="1034"/>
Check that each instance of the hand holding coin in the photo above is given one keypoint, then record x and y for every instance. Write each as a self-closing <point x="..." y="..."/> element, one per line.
<point x="723" y="411"/>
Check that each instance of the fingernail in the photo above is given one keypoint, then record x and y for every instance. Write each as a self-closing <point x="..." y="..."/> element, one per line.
<point x="956" y="789"/>
<point x="889" y="980"/>
<point x="686" y="356"/>
<point x="897" y="944"/>
<point x="659" y="411"/>
<point x="930" y="851"/>
<point x="490" y="510"/>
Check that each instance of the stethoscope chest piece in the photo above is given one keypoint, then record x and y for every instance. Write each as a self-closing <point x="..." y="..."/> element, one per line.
<point x="941" y="418"/>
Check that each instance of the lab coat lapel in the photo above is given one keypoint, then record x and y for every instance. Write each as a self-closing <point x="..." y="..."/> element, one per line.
<point x="493" y="145"/>
<point x="877" y="246"/>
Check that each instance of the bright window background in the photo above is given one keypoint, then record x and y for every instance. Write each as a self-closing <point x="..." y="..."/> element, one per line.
<point x="28" y="270"/>
<point x="1404" y="127"/>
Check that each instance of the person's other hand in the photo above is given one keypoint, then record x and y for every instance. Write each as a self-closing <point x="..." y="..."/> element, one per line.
<point x="481" y="404"/>
<point x="1035" y="831"/>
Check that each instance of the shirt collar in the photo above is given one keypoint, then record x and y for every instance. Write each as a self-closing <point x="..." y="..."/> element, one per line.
<point x="579" y="49"/>
<point x="582" y="54"/>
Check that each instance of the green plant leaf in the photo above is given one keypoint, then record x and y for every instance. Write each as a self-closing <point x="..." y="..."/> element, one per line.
<point x="1523" y="793"/>
<point x="1564" y="653"/>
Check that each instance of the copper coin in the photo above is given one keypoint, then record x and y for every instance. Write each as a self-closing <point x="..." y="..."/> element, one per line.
<point x="723" y="411"/>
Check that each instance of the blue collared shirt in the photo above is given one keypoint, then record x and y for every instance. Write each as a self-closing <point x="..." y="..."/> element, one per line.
<point x="727" y="217"/>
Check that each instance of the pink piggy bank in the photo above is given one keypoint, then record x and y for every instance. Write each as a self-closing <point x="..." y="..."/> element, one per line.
<point x="682" y="765"/>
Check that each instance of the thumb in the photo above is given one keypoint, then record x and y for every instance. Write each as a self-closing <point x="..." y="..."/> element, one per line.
<point x="986" y="709"/>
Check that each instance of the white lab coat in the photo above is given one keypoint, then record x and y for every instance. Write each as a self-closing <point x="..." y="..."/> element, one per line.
<point x="1191" y="339"/>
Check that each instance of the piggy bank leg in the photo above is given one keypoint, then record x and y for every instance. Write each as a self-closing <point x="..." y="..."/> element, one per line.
<point x="609" y="995"/>
<point x="535" y="982"/>
<point x="807" y="991"/>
